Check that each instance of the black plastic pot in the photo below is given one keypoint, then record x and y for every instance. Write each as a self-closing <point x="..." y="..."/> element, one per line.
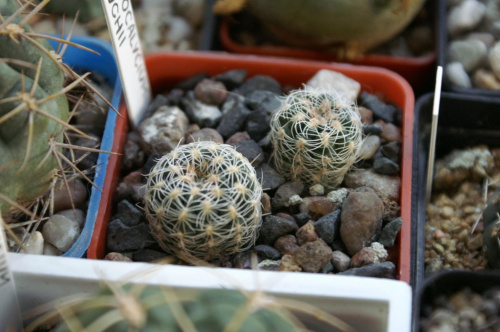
<point x="442" y="41"/>
<point x="209" y="28"/>
<point x="447" y="283"/>
<point x="464" y="121"/>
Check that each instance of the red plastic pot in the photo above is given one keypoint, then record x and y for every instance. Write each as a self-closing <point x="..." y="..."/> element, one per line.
<point x="166" y="69"/>
<point x="416" y="70"/>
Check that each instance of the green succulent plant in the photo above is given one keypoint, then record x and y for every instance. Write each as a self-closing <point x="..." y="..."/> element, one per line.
<point x="356" y="26"/>
<point x="316" y="136"/>
<point x="203" y="200"/>
<point x="36" y="89"/>
<point x="160" y="308"/>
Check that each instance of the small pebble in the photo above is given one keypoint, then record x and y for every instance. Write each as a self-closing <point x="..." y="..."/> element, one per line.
<point x="288" y="264"/>
<point x="340" y="261"/>
<point x="35" y="244"/>
<point x="61" y="232"/>
<point x="306" y="234"/>
<point x="117" y="257"/>
<point x="286" y="245"/>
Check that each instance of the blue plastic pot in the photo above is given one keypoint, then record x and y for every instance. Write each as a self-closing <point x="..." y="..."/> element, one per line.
<point x="103" y="63"/>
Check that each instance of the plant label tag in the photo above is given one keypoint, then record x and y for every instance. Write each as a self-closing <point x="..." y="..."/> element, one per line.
<point x="432" y="143"/>
<point x="131" y="65"/>
<point x="10" y="316"/>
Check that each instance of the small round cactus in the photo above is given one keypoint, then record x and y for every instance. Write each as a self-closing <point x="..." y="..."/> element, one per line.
<point x="203" y="199"/>
<point x="316" y="136"/>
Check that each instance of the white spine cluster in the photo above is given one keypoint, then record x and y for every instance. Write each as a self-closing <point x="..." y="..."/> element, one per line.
<point x="316" y="136"/>
<point x="203" y="199"/>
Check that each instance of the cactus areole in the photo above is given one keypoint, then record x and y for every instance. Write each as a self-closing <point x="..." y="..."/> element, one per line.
<point x="316" y="135"/>
<point x="203" y="200"/>
<point x="30" y="105"/>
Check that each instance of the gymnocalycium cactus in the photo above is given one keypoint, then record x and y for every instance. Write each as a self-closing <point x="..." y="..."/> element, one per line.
<point x="160" y="308"/>
<point x="34" y="110"/>
<point x="203" y="199"/>
<point x="316" y="136"/>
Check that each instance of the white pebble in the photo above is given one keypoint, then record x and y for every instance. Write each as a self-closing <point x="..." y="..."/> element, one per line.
<point x="457" y="75"/>
<point x="317" y="190"/>
<point x="332" y="80"/>
<point x="35" y="244"/>
<point x="61" y="232"/>
<point x="294" y="200"/>
<point x="465" y="16"/>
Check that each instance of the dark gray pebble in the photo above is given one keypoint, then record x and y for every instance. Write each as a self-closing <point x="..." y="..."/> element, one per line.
<point x="390" y="232"/>
<point x="385" y="166"/>
<point x="301" y="218"/>
<point x="267" y="252"/>
<point x="373" y="129"/>
<point x="266" y="99"/>
<point x="250" y="150"/>
<point x="284" y="192"/>
<point x="232" y="119"/>
<point x="391" y="150"/>
<point x="378" y="270"/>
<point x="232" y="78"/>
<point x="268" y="177"/>
<point x="380" y="110"/>
<point x="191" y="82"/>
<point x="274" y="227"/>
<point x="259" y="82"/>
<point x="258" y="124"/>
<point x="328" y="226"/>
<point x="124" y="238"/>
<point x="129" y="214"/>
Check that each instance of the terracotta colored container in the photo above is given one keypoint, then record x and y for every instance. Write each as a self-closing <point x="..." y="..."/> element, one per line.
<point x="166" y="69"/>
<point x="418" y="71"/>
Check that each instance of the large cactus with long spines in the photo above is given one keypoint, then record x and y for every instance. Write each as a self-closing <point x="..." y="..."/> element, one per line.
<point x="29" y="100"/>
<point x="34" y="107"/>
<point x="316" y="136"/>
<point x="203" y="199"/>
<point x="161" y="308"/>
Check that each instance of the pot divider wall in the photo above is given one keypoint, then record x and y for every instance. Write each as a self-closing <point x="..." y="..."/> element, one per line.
<point x="103" y="64"/>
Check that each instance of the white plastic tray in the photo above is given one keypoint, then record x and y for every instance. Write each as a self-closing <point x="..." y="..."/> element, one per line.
<point x="367" y="304"/>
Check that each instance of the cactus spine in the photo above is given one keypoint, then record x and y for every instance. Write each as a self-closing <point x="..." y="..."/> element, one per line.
<point x="160" y="308"/>
<point x="34" y="110"/>
<point x="316" y="136"/>
<point x="203" y="199"/>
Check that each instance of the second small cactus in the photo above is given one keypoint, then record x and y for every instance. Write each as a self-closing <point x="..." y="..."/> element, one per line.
<point x="316" y="136"/>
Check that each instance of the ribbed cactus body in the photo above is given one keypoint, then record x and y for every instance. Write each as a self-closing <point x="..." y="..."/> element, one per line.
<point x="156" y="309"/>
<point x="203" y="199"/>
<point x="316" y="136"/>
<point x="25" y="169"/>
